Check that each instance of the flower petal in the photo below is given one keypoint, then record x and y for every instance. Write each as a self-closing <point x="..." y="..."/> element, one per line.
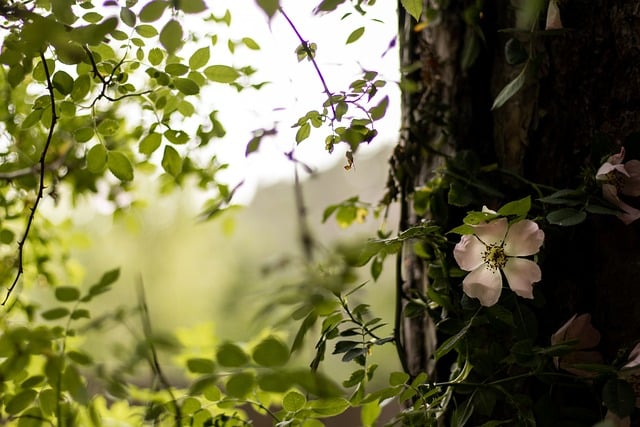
<point x="631" y="185"/>
<point x="521" y="275"/>
<point x="468" y="252"/>
<point x="561" y="335"/>
<point x="492" y="232"/>
<point x="484" y="284"/>
<point x="634" y="357"/>
<point x="607" y="168"/>
<point x="523" y="238"/>
<point x="553" y="16"/>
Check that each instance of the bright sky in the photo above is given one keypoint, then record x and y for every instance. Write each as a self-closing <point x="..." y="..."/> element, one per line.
<point x="295" y="87"/>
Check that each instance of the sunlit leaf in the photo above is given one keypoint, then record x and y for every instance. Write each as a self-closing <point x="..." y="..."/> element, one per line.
<point x="271" y="352"/>
<point x="97" y="158"/>
<point x="221" y="73"/>
<point x="270" y="7"/>
<point x="171" y="36"/>
<point x="120" y="165"/>
<point x="200" y="58"/>
<point x="355" y="35"/>
<point x="414" y="7"/>
<point x="153" y="10"/>
<point x="171" y="161"/>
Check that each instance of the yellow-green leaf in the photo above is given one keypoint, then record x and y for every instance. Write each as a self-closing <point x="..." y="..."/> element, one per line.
<point x="153" y="10"/>
<point x="355" y="35"/>
<point x="414" y="7"/>
<point x="199" y="58"/>
<point x="171" y="36"/>
<point x="97" y="158"/>
<point x="120" y="165"/>
<point x="171" y="161"/>
<point x="221" y="73"/>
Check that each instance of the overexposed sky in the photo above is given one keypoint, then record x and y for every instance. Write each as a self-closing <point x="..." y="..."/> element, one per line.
<point x="295" y="87"/>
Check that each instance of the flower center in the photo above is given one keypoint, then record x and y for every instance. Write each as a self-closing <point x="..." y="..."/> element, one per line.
<point x="494" y="256"/>
<point x="616" y="179"/>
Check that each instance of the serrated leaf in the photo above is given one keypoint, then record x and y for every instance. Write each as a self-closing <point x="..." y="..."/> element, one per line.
<point x="120" y="165"/>
<point x="97" y="158"/>
<point x="171" y="36"/>
<point x="171" y="161"/>
<point x="186" y="86"/>
<point x="355" y="35"/>
<point x="200" y="58"/>
<point x="510" y="89"/>
<point x="413" y="7"/>
<point x="221" y="73"/>
<point x="153" y="10"/>
<point x="67" y="293"/>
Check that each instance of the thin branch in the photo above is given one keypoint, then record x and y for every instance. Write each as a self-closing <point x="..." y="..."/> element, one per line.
<point x="305" y="234"/>
<point x="153" y="360"/>
<point x="311" y="56"/>
<point x="40" y="194"/>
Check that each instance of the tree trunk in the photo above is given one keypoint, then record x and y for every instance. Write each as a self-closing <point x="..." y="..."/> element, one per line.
<point x="580" y="102"/>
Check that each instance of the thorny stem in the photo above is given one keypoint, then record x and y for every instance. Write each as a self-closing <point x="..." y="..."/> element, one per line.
<point x="153" y="359"/>
<point x="311" y="56"/>
<point x="40" y="194"/>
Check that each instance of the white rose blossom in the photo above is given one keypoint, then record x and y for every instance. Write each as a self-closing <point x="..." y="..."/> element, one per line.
<point x="495" y="248"/>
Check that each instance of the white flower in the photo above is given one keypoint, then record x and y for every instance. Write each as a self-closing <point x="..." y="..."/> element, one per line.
<point x="618" y="178"/>
<point x="495" y="247"/>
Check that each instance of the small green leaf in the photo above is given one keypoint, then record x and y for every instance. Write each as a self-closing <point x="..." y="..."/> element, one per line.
<point x="55" y="313"/>
<point x="83" y="134"/>
<point x="518" y="208"/>
<point x="171" y="161"/>
<point x="63" y="82"/>
<point x="221" y="73"/>
<point x="250" y="43"/>
<point x="150" y="143"/>
<point x="199" y="58"/>
<point x="200" y="365"/>
<point x="128" y="17"/>
<point x="155" y="56"/>
<point x="566" y="217"/>
<point x="240" y="384"/>
<point x="97" y="158"/>
<point x="120" y="165"/>
<point x="108" y="127"/>
<point x="67" y="293"/>
<point x="398" y="378"/>
<point x="270" y="7"/>
<point x="186" y="86"/>
<point x="271" y="352"/>
<point x="293" y="401"/>
<point x="177" y="136"/>
<point x="191" y="6"/>
<point x="355" y="35"/>
<point x="20" y="401"/>
<point x="171" y="36"/>
<point x="79" y="357"/>
<point x="153" y="10"/>
<point x="303" y="132"/>
<point x="510" y="89"/>
<point x="379" y="110"/>
<point x="414" y="7"/>
<point x="146" y="31"/>
<point x="231" y="355"/>
<point x="81" y="87"/>
<point x="451" y="342"/>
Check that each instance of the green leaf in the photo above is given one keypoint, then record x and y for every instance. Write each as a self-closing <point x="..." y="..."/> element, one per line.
<point x="518" y="208"/>
<point x="171" y="36"/>
<point x="171" y="161"/>
<point x="20" y="401"/>
<point x="63" y="82"/>
<point x="128" y="17"/>
<point x="270" y="7"/>
<point x="231" y="355"/>
<point x="240" y="384"/>
<point x="150" y="143"/>
<point x="398" y="378"/>
<point x="153" y="10"/>
<point x="120" y="165"/>
<point x="462" y="414"/>
<point x="329" y="407"/>
<point x="451" y="342"/>
<point x="33" y="118"/>
<point x="379" y="110"/>
<point x="370" y="412"/>
<point x="199" y="365"/>
<point x="80" y="313"/>
<point x="413" y="7"/>
<point x="303" y="132"/>
<point x="81" y="87"/>
<point x="55" y="313"/>
<point x="146" y="31"/>
<point x="97" y="158"/>
<point x="177" y="137"/>
<point x="271" y="352"/>
<point x="186" y="86"/>
<point x="155" y="56"/>
<point x="221" y="73"/>
<point x="108" y="127"/>
<point x="83" y="134"/>
<point x="191" y="6"/>
<point x="510" y="89"/>
<point x="619" y="397"/>
<point x="293" y="401"/>
<point x="80" y="358"/>
<point x="67" y="293"/>
<point x="250" y="43"/>
<point x="199" y="58"/>
<point x="566" y="217"/>
<point x="355" y="35"/>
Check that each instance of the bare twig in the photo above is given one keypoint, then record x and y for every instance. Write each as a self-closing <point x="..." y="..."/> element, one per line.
<point x="311" y="56"/>
<point x="40" y="194"/>
<point x="153" y="359"/>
